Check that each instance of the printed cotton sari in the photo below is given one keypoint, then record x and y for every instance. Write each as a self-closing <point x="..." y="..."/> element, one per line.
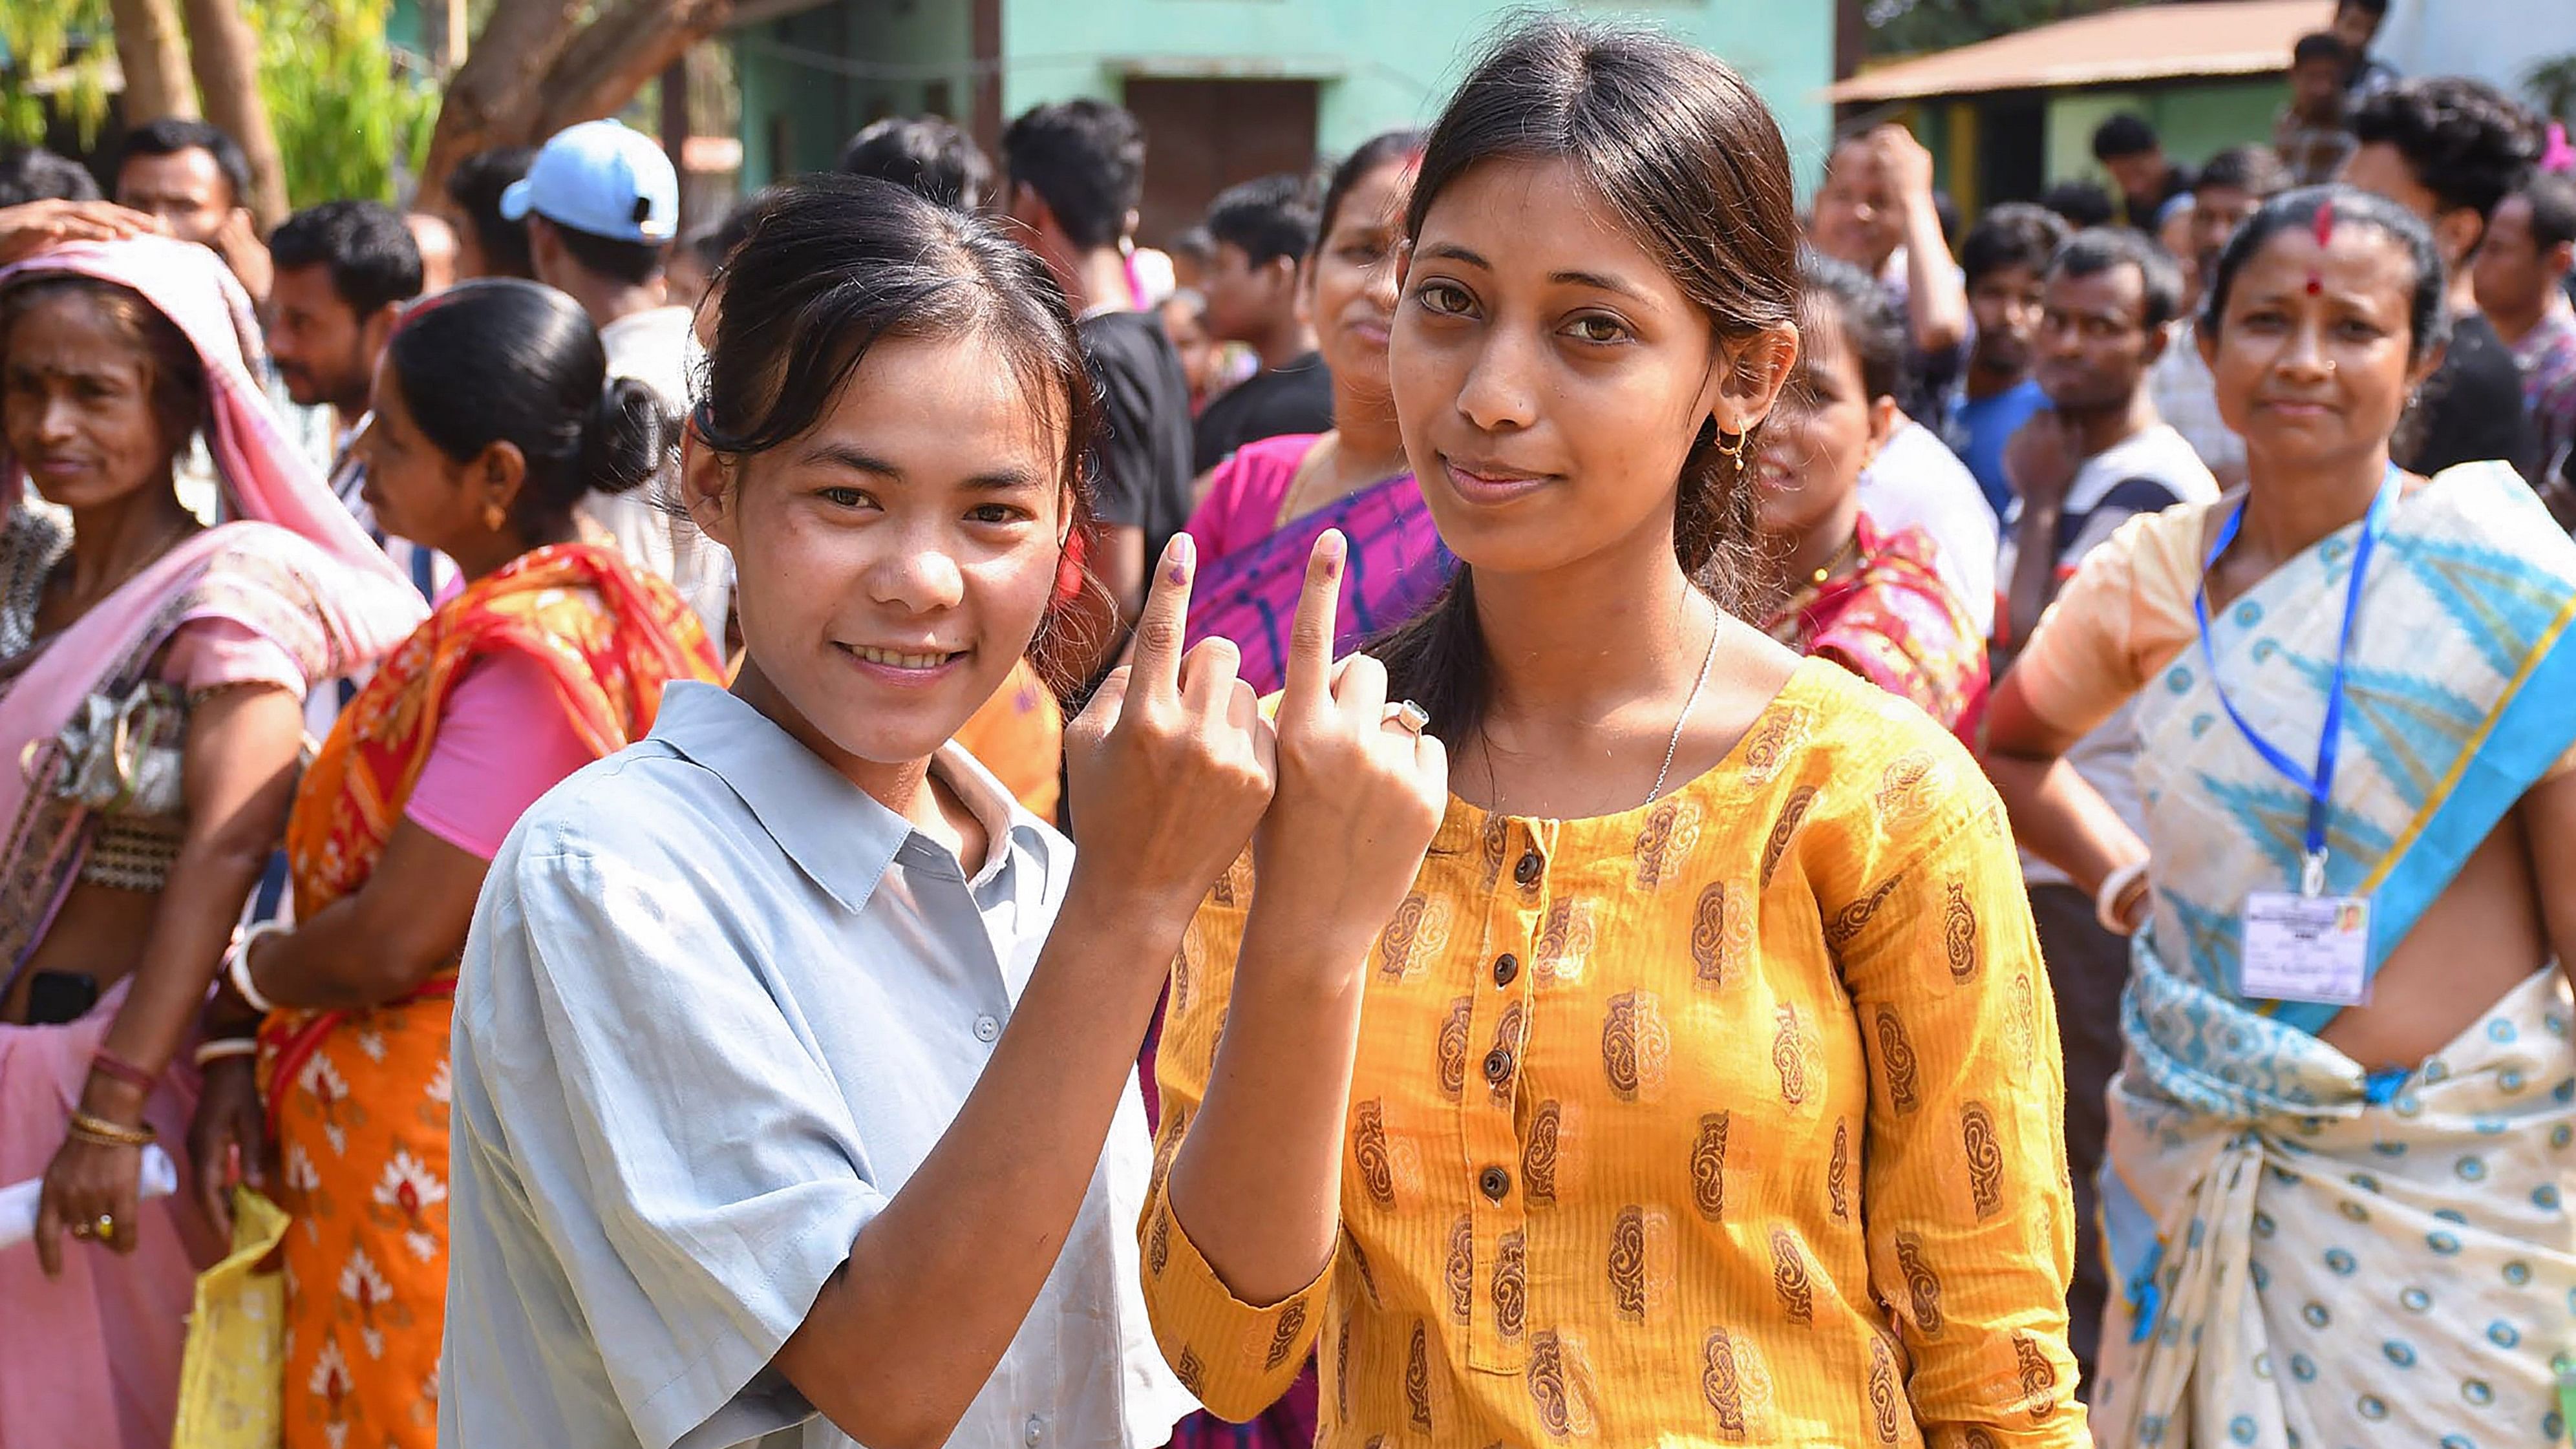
<point x="2303" y="1252"/>
<point x="358" y="1100"/>
<point x="1894" y="623"/>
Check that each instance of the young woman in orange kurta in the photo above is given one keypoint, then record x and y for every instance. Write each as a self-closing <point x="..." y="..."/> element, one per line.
<point x="1697" y="1084"/>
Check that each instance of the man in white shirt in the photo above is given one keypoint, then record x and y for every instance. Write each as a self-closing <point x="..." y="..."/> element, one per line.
<point x="1917" y="482"/>
<point x="602" y="203"/>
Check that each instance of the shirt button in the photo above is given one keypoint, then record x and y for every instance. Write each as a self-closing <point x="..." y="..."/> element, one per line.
<point x="1498" y="1066"/>
<point x="1495" y="1183"/>
<point x="1527" y="871"/>
<point x="1506" y="966"/>
<point x="1035" y="1432"/>
<point x="986" y="1028"/>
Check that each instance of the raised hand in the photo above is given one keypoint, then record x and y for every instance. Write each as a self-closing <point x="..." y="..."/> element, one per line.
<point x="1171" y="765"/>
<point x="32" y="226"/>
<point x="1360" y="793"/>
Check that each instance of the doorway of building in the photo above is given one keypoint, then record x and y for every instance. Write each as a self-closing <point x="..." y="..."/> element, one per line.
<point x="1203" y="136"/>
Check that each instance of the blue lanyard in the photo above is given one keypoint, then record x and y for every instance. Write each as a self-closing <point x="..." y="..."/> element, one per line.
<point x="2319" y="784"/>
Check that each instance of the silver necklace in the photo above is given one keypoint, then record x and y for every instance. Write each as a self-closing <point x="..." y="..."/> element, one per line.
<point x="1673" y="746"/>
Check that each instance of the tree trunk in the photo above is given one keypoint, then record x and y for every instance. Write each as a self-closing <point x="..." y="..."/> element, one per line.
<point x="153" y="52"/>
<point x="492" y="100"/>
<point x="612" y="58"/>
<point x="225" y="52"/>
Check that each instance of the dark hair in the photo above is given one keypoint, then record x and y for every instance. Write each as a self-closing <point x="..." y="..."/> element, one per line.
<point x="2082" y="203"/>
<point x="1691" y="161"/>
<point x="1386" y="148"/>
<point x="2463" y="140"/>
<point x="2012" y="234"/>
<point x="2255" y="170"/>
<point x="32" y="173"/>
<point x="176" y="373"/>
<point x="2375" y="9"/>
<point x="171" y="135"/>
<point x="2320" y="45"/>
<point x="929" y="154"/>
<point x="1873" y="330"/>
<point x="2098" y="249"/>
<point x="1086" y="159"/>
<point x="2125" y="134"/>
<point x="2553" y="210"/>
<point x="500" y="360"/>
<point x="1194" y="243"/>
<point x="476" y="186"/>
<point x="714" y="242"/>
<point x="2429" y="321"/>
<point x="371" y="254"/>
<point x="632" y="262"/>
<point x="1269" y="217"/>
<point x="833" y="265"/>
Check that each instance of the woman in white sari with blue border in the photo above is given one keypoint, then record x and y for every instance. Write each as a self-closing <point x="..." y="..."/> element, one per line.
<point x="2336" y="1202"/>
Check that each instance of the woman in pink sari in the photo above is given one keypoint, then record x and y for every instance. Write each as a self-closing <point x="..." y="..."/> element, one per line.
<point x="1268" y="503"/>
<point x="152" y="676"/>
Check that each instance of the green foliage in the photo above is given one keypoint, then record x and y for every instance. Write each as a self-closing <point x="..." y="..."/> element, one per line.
<point x="45" y="43"/>
<point x="1912" y="27"/>
<point x="348" y="112"/>
<point x="2552" y="83"/>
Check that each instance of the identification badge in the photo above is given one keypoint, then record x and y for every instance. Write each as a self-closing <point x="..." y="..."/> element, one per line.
<point x="2306" y="948"/>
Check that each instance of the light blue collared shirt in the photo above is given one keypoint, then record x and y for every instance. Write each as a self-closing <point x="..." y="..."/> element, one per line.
<point x="717" y="1006"/>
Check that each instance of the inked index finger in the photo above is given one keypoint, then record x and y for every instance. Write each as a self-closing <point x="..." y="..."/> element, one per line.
<point x="1310" y="639"/>
<point x="1155" y="668"/>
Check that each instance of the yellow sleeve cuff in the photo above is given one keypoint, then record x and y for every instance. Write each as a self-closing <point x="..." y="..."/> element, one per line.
<point x="1237" y="1358"/>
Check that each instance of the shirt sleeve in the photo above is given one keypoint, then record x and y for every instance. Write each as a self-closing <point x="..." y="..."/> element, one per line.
<point x="1970" y="1225"/>
<point x="502" y="741"/>
<point x="2079" y="668"/>
<point x="1236" y="1357"/>
<point x="215" y="653"/>
<point x="1124" y="483"/>
<point x="682" y="1147"/>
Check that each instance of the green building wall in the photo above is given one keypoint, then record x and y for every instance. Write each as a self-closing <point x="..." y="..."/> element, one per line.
<point x="2193" y="120"/>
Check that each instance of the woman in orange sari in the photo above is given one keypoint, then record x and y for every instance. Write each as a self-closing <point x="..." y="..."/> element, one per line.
<point x="493" y="416"/>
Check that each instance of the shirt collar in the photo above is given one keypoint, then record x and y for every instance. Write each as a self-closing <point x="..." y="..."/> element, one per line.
<point x="839" y="835"/>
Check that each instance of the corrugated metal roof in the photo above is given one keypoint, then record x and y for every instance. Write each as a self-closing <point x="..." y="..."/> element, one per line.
<point x="2148" y="42"/>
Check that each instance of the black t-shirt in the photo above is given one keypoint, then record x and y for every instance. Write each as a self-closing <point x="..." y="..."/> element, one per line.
<point x="1271" y="403"/>
<point x="2471" y="409"/>
<point x="1144" y="455"/>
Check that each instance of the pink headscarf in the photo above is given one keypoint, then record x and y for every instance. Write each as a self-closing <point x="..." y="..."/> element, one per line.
<point x="2560" y="156"/>
<point x="358" y="604"/>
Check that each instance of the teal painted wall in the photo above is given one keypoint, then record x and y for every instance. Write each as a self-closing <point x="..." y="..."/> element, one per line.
<point x="811" y="80"/>
<point x="2193" y="120"/>
<point x="1385" y="64"/>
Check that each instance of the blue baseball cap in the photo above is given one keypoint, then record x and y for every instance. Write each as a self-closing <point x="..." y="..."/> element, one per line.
<point x="603" y="178"/>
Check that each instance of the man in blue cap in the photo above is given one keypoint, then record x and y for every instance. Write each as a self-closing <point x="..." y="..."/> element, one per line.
<point x="602" y="204"/>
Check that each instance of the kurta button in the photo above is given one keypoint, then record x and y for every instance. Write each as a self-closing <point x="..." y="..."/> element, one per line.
<point x="1498" y="1066"/>
<point x="986" y="1028"/>
<point x="1495" y="1183"/>
<point x="1527" y="871"/>
<point x="1506" y="966"/>
<point x="1035" y="1432"/>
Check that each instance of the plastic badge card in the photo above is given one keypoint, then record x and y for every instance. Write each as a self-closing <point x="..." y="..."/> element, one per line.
<point x="2306" y="948"/>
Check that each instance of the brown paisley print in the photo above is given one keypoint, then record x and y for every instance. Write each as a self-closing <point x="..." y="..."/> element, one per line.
<point x="1342" y="1371"/>
<point x="1191" y="1372"/>
<point x="1978" y="1439"/>
<point x="1854" y="916"/>
<point x="1792" y="813"/>
<point x="1507" y="1040"/>
<point x="1922" y="1285"/>
<point x="1564" y="941"/>
<point x="2038" y="1376"/>
<point x="1708" y="1166"/>
<point x="1628" y="1262"/>
<point x="1495" y="839"/>
<point x="1368" y="1149"/>
<point x="1511" y="1284"/>
<point x="1789" y="1277"/>
<point x="1283" y="1339"/>
<point x="1538" y="1155"/>
<point x="1634" y="1045"/>
<point x="1959" y="933"/>
<point x="1181" y="978"/>
<point x="1838" y="1171"/>
<point x="1395" y="945"/>
<point x="1452" y="1061"/>
<point x="1417" y="1379"/>
<point x="1905" y="790"/>
<point x="1461" y="1269"/>
<point x="1556" y="1386"/>
<point x="1896" y="1059"/>
<point x="1985" y="1158"/>
<point x="1709" y="956"/>
<point x="1882" y="1391"/>
<point x="1158" y="1243"/>
<point x="1720" y="1384"/>
<point x="1769" y="748"/>
<point x="1360" y="1265"/>
<point x="1789" y="1057"/>
<point x="1652" y="843"/>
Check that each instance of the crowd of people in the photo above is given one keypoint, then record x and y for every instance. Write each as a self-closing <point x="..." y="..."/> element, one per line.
<point x="1697" y="822"/>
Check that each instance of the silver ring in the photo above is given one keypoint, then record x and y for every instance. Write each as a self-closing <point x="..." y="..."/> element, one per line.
<point x="1412" y="717"/>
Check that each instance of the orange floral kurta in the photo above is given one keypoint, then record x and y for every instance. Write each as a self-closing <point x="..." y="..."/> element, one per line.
<point x="358" y="1101"/>
<point x="1733" y="1119"/>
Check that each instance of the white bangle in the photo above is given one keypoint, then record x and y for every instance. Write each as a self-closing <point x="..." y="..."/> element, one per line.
<point x="223" y="1048"/>
<point x="2106" y="901"/>
<point x="237" y="965"/>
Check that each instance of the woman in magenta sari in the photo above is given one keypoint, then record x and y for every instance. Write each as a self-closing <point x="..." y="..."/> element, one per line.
<point x="1268" y="503"/>
<point x="152" y="676"/>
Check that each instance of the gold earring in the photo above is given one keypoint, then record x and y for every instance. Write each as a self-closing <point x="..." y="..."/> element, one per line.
<point x="495" y="517"/>
<point x="1734" y="450"/>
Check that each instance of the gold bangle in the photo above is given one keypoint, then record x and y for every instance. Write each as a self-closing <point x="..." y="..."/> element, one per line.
<point x="91" y="1128"/>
